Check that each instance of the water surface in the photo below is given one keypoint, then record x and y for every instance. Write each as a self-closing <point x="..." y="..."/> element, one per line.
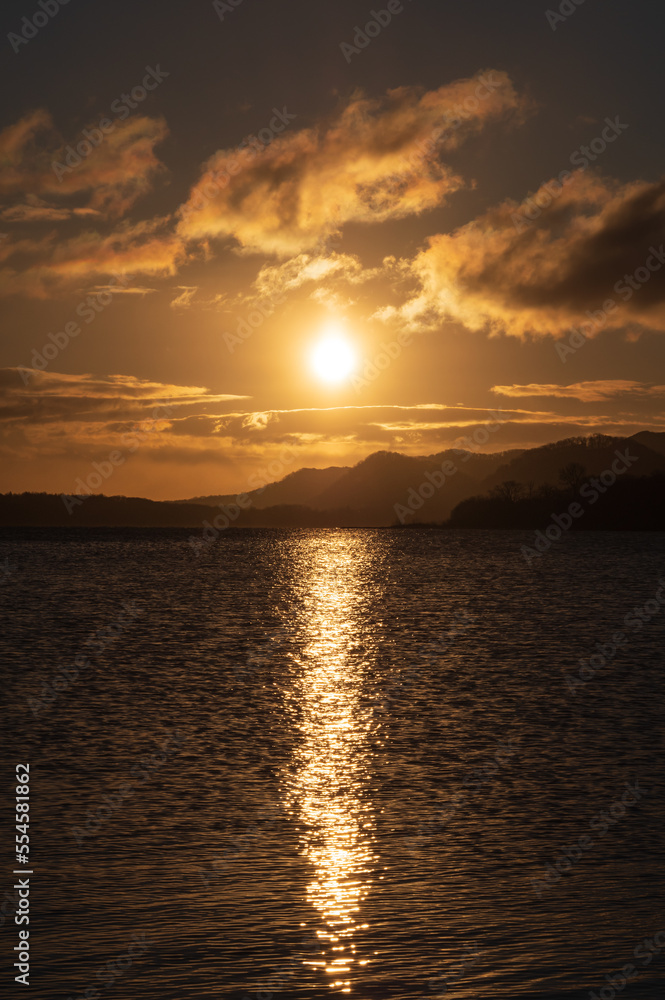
<point x="338" y="763"/>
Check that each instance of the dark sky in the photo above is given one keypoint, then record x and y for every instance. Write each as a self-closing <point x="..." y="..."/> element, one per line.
<point x="604" y="59"/>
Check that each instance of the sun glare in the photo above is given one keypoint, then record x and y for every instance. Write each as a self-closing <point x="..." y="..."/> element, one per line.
<point x="333" y="358"/>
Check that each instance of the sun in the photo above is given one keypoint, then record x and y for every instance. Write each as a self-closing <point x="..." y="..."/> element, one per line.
<point x="333" y="358"/>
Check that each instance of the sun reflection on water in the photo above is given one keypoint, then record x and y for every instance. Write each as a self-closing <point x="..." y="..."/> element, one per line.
<point x="329" y="788"/>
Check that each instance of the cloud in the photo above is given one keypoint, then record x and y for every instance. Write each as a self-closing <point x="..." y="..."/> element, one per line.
<point x="58" y="185"/>
<point x="275" y="279"/>
<point x="588" y="392"/>
<point x="187" y="299"/>
<point x="53" y="397"/>
<point x="37" y="161"/>
<point x="375" y="160"/>
<point x="352" y="432"/>
<point x="38" y="211"/>
<point x="48" y="267"/>
<point x="579" y="256"/>
<point x="88" y="406"/>
<point x="61" y="427"/>
<point x="184" y="300"/>
<point x="417" y="425"/>
<point x="119" y="290"/>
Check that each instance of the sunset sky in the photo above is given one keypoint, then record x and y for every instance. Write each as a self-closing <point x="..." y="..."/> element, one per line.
<point x="273" y="182"/>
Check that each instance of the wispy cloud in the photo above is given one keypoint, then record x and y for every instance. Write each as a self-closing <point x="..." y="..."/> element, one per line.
<point x="44" y="268"/>
<point x="588" y="392"/>
<point x="112" y="176"/>
<point x="37" y="210"/>
<point x="55" y="397"/>
<point x="305" y="268"/>
<point x="373" y="161"/>
<point x="184" y="300"/>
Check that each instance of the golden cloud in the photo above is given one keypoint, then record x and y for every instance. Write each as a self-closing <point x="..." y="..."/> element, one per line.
<point x="143" y="248"/>
<point x="184" y="300"/>
<point x="416" y="425"/>
<point x="306" y="267"/>
<point x="36" y="210"/>
<point x="54" y="397"/>
<point x="372" y="161"/>
<point x="36" y="161"/>
<point x="587" y="392"/>
<point x="585" y="251"/>
<point x="375" y="160"/>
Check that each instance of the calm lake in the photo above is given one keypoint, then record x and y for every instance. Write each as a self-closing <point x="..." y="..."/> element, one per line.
<point x="366" y="763"/>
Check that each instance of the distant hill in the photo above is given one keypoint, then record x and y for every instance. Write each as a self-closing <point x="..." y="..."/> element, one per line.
<point x="385" y="479"/>
<point x="373" y="482"/>
<point x="633" y="503"/>
<point x="652" y="439"/>
<point x="48" y="510"/>
<point x="374" y="486"/>
<point x="476" y="465"/>
<point x="384" y="489"/>
<point x="297" y="488"/>
<point x="596" y="453"/>
<point x="531" y="489"/>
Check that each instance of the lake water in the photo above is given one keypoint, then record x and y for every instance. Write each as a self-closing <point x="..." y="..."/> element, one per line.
<point x="338" y="763"/>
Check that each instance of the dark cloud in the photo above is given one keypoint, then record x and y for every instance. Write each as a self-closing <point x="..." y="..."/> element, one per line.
<point x="595" y="247"/>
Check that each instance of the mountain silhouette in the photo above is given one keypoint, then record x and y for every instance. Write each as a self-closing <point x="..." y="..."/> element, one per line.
<point x="655" y="440"/>
<point x="595" y="452"/>
<point x="384" y="489"/>
<point x="298" y="488"/>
